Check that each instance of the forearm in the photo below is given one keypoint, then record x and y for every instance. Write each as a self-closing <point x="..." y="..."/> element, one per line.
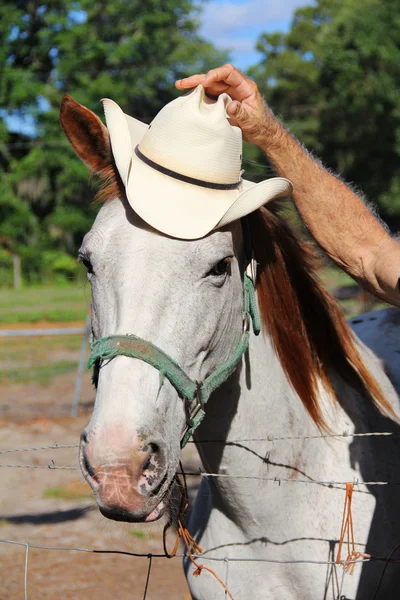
<point x="336" y="217"/>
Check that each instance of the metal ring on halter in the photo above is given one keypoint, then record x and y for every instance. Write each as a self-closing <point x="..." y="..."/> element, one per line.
<point x="246" y="323"/>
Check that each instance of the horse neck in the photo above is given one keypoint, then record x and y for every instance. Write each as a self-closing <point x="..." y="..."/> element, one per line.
<point x="257" y="403"/>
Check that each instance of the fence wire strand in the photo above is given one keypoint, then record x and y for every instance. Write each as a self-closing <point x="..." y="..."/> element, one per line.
<point x="341" y="485"/>
<point x="278" y="480"/>
<point x="52" y="467"/>
<point x="53" y="447"/>
<point x="322" y="436"/>
<point x="268" y="438"/>
<point x="203" y="556"/>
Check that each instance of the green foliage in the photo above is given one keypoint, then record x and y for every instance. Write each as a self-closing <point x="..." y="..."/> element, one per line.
<point x="335" y="80"/>
<point x="129" y="50"/>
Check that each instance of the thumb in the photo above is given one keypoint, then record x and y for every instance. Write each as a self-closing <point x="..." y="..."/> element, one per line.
<point x="236" y="111"/>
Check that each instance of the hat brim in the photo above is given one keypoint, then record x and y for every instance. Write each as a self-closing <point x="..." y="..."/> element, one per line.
<point x="179" y="209"/>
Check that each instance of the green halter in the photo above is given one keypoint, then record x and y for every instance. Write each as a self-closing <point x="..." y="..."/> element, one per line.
<point x="195" y="393"/>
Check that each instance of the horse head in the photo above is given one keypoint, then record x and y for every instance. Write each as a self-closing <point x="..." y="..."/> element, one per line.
<point x="183" y="296"/>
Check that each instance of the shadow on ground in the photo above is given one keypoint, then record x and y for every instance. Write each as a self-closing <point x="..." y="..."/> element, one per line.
<point x="57" y="516"/>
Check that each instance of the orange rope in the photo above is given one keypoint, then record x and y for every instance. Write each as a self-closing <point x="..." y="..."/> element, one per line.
<point x="192" y="546"/>
<point x="348" y="530"/>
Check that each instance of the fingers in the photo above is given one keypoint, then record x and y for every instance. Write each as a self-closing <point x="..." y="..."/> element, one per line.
<point x="237" y="112"/>
<point x="222" y="79"/>
<point x="228" y="74"/>
<point x="189" y="82"/>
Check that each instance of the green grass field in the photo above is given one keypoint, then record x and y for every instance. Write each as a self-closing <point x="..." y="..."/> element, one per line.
<point x="45" y="303"/>
<point x="38" y="360"/>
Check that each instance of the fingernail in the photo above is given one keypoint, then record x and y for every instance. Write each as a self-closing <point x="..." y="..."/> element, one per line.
<point x="234" y="109"/>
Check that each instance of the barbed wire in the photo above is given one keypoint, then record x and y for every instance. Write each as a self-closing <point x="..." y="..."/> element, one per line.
<point x="203" y="556"/>
<point x="279" y="480"/>
<point x="55" y="446"/>
<point x="49" y="466"/>
<point x="268" y="438"/>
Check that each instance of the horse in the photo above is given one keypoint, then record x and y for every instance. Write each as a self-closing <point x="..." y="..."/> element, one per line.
<point x="269" y="513"/>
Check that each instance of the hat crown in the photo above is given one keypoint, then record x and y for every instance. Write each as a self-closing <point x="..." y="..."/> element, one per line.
<point x="192" y="136"/>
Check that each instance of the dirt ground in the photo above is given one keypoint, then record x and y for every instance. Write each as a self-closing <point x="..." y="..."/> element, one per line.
<point x="55" y="508"/>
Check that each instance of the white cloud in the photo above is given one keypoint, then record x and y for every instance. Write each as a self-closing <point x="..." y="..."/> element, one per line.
<point x="236" y="44"/>
<point x="221" y="18"/>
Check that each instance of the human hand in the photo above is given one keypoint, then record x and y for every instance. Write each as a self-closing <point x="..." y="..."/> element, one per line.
<point x="247" y="109"/>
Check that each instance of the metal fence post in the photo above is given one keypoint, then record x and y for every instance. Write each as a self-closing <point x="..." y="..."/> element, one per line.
<point x="81" y="368"/>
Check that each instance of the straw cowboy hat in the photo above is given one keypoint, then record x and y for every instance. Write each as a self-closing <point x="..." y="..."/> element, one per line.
<point x="182" y="173"/>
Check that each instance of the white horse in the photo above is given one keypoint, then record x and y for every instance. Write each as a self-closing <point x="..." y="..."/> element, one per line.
<point x="304" y="374"/>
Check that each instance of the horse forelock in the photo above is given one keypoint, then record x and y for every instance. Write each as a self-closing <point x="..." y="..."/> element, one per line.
<point x="307" y="328"/>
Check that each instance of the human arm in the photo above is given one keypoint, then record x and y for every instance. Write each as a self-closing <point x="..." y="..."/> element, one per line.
<point x="336" y="217"/>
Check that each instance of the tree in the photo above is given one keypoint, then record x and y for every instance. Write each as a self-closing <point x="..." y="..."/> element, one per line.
<point x="129" y="50"/>
<point x="335" y="79"/>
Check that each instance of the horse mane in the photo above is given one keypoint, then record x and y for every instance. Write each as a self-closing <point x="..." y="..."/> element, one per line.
<point x="306" y="326"/>
<point x="111" y="185"/>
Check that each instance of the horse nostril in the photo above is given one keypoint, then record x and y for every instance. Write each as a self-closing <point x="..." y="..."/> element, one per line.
<point x="154" y="448"/>
<point x="153" y="467"/>
<point x="84" y="437"/>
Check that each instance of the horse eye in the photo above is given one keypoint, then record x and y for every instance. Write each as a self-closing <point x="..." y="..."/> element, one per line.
<point x="87" y="264"/>
<point x="222" y="267"/>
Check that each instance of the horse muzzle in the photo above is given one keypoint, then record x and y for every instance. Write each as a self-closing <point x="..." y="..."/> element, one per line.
<point x="130" y="482"/>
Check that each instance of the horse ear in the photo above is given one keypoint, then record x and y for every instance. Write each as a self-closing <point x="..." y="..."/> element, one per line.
<point x="86" y="133"/>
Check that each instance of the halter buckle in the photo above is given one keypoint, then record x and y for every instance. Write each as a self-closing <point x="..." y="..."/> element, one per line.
<point x="195" y="406"/>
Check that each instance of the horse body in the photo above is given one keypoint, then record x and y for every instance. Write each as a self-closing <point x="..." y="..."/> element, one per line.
<point x="303" y="373"/>
<point x="292" y="521"/>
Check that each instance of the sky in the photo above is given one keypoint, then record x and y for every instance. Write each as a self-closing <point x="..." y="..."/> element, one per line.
<point x="236" y="24"/>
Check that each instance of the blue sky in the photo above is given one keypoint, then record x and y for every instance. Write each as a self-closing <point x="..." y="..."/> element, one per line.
<point x="236" y="24"/>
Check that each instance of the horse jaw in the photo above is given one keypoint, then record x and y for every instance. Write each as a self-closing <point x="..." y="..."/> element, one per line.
<point x="159" y="289"/>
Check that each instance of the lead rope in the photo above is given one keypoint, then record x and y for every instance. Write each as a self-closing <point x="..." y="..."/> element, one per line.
<point x="348" y="530"/>
<point x="183" y="534"/>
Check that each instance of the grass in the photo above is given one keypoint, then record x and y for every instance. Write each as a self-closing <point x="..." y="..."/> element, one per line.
<point x="36" y="349"/>
<point x="40" y="374"/>
<point x="37" y="359"/>
<point x="74" y="490"/>
<point x="44" y="303"/>
<point x="139" y="534"/>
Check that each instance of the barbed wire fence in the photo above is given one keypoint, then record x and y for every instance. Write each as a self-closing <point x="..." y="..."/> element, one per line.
<point x="204" y="474"/>
<point x="359" y="486"/>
